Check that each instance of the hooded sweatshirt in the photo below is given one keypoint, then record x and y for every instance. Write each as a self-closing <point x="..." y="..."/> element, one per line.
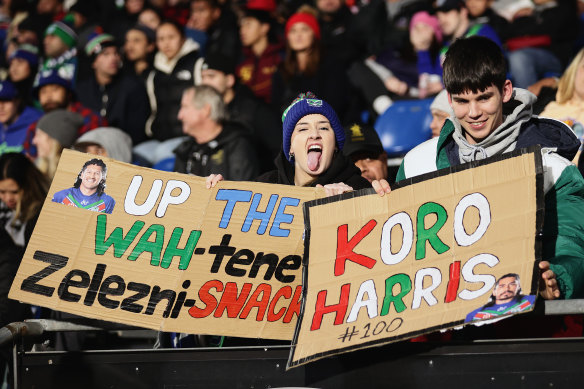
<point x="563" y="231"/>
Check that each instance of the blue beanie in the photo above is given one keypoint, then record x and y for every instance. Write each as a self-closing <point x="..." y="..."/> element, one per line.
<point x="27" y="52"/>
<point x="307" y="104"/>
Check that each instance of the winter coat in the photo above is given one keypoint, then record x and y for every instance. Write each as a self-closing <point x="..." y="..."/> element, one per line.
<point x="563" y="237"/>
<point x="341" y="170"/>
<point x="256" y="72"/>
<point x="13" y="136"/>
<point x="230" y="154"/>
<point x="165" y="86"/>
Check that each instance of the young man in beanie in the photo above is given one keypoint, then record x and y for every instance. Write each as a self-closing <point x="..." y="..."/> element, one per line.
<point x="119" y="98"/>
<point x="261" y="54"/>
<point x="214" y="145"/>
<point x="259" y="119"/>
<point x="364" y="148"/>
<point x="23" y="65"/>
<point x="60" y="51"/>
<point x="491" y="118"/>
<point x="15" y="118"/>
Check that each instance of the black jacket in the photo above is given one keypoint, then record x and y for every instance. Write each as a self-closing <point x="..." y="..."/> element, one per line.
<point x="123" y="102"/>
<point x="341" y="170"/>
<point x="230" y="154"/>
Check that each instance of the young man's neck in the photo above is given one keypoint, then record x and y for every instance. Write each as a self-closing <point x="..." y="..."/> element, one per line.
<point x="140" y="66"/>
<point x="228" y="96"/>
<point x="462" y="28"/>
<point x="260" y="46"/>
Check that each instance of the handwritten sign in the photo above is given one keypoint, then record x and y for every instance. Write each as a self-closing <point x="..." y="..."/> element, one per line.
<point x="452" y="247"/>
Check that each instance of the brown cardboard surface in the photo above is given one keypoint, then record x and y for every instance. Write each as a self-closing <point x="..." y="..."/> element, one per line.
<point x="354" y="266"/>
<point x="251" y="291"/>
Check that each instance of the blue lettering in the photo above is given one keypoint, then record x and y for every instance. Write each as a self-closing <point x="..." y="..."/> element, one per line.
<point x="254" y="214"/>
<point x="232" y="196"/>
<point x="282" y="217"/>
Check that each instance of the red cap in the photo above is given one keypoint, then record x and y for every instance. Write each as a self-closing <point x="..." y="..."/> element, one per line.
<point x="306" y="18"/>
<point x="262" y="5"/>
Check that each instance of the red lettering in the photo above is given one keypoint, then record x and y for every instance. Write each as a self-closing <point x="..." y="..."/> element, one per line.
<point x="294" y="307"/>
<point x="230" y="300"/>
<point x="345" y="247"/>
<point x="207" y="298"/>
<point x="286" y="291"/>
<point x="340" y="308"/>
<point x="453" y="282"/>
<point x="261" y="305"/>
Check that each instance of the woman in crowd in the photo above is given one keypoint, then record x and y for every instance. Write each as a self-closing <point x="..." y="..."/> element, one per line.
<point x="55" y="131"/>
<point x="312" y="140"/>
<point x="23" y="189"/>
<point x="306" y="67"/>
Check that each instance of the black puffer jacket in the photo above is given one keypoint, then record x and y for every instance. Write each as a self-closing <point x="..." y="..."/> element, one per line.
<point x="230" y="154"/>
<point x="341" y="170"/>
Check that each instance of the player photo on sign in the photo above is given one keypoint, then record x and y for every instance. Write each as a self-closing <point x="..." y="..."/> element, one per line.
<point x="88" y="191"/>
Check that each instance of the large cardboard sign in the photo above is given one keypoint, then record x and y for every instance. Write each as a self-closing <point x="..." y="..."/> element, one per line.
<point x="445" y="249"/>
<point x="163" y="252"/>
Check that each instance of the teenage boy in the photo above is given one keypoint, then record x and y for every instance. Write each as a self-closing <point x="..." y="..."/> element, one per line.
<point x="490" y="118"/>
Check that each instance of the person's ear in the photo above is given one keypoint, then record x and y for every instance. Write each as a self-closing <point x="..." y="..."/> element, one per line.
<point x="507" y="91"/>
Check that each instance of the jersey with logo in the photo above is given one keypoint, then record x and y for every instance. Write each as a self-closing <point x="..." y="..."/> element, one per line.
<point x="501" y="309"/>
<point x="75" y="198"/>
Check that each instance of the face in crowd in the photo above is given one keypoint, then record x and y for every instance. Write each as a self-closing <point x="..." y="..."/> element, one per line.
<point x="10" y="193"/>
<point x="313" y="145"/>
<point x="169" y="40"/>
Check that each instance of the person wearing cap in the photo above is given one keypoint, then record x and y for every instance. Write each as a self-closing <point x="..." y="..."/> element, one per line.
<point x="119" y="98"/>
<point x="213" y="145"/>
<point x="262" y="54"/>
<point x="441" y="110"/>
<point x="15" y="118"/>
<point x="23" y="64"/>
<point x="306" y="68"/>
<point x="335" y="20"/>
<point x="454" y="23"/>
<point x="139" y="48"/>
<point x="57" y="130"/>
<point x="259" y="119"/>
<point x="59" y="47"/>
<point x="364" y="148"/>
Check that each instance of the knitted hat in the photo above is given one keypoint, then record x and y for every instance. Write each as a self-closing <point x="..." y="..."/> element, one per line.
<point x="426" y="18"/>
<point x="64" y="31"/>
<point x="27" y="52"/>
<point x="361" y="138"/>
<point x="7" y="90"/>
<point x="116" y="142"/>
<point x="61" y="125"/>
<point x="306" y="18"/>
<point x="440" y="102"/>
<point x="307" y="104"/>
<point x="97" y="42"/>
<point x="261" y="5"/>
<point x="52" y="76"/>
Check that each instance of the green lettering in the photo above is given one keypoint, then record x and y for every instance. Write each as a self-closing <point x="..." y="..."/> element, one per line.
<point x="430" y="234"/>
<point x="154" y="248"/>
<point x="116" y="238"/>
<point x="185" y="254"/>
<point x="405" y="286"/>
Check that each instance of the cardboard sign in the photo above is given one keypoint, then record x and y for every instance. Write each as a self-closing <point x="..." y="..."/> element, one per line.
<point x="429" y="256"/>
<point x="163" y="252"/>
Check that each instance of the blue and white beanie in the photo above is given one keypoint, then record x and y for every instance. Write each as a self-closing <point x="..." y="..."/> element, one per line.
<point x="307" y="104"/>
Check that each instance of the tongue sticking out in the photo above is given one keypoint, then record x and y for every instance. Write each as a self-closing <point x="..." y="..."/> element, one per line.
<point x="313" y="159"/>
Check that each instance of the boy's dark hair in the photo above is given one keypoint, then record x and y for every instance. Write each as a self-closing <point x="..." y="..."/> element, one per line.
<point x="473" y="64"/>
<point x="101" y="164"/>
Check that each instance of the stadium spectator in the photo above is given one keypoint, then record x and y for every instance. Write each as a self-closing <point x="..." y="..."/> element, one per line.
<point x="335" y="21"/>
<point x="481" y="12"/>
<point x="106" y="142"/>
<point x="214" y="145"/>
<point x="214" y="27"/>
<point x="475" y="77"/>
<point x="59" y="48"/>
<point x="22" y="68"/>
<point x="55" y="131"/>
<point x="261" y="53"/>
<point x="150" y="18"/>
<point x="364" y="148"/>
<point x="139" y="48"/>
<point x="441" y="110"/>
<point x="173" y="73"/>
<point x="15" y="118"/>
<point x="119" y="98"/>
<point x="306" y="68"/>
<point x="258" y="119"/>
